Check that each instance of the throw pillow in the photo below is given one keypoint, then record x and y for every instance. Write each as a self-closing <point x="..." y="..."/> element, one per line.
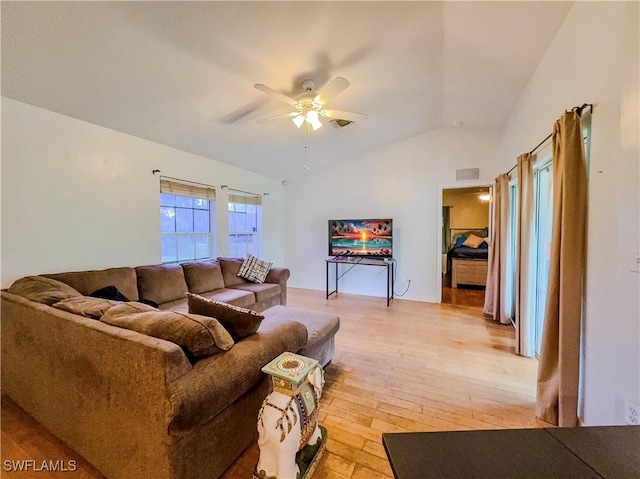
<point x="473" y="241"/>
<point x="198" y="336"/>
<point x="109" y="292"/>
<point x="254" y="269"/>
<point x="42" y="290"/>
<point x="86" y="306"/>
<point x="240" y="322"/>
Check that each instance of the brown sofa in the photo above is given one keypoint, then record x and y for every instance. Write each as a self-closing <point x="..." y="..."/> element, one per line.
<point x="135" y="406"/>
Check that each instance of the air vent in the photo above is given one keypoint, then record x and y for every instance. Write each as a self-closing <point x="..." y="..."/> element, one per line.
<point x="468" y="174"/>
<point x="340" y="123"/>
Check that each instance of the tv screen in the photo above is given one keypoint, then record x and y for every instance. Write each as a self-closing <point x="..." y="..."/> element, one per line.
<point x="372" y="237"/>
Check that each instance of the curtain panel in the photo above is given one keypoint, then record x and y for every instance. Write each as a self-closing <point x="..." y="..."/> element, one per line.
<point x="497" y="303"/>
<point x="558" y="371"/>
<point x="525" y="270"/>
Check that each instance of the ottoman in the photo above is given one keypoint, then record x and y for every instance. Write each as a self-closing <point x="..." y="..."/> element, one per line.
<point x="321" y="329"/>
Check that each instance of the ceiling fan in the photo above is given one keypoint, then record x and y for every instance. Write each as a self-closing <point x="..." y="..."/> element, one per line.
<point x="310" y="105"/>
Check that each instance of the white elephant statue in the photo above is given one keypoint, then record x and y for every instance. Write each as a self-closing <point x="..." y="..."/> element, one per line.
<point x="286" y="424"/>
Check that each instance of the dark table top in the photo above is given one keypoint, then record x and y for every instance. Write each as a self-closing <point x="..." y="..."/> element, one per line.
<point x="516" y="453"/>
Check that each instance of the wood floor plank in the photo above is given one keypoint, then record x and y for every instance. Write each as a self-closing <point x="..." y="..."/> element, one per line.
<point x="409" y="367"/>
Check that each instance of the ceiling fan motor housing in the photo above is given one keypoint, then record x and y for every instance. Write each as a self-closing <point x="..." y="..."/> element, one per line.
<point x="308" y="85"/>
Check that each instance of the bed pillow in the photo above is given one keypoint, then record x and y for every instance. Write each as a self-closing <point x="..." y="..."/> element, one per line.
<point x="473" y="241"/>
<point x="459" y="241"/>
<point x="240" y="322"/>
<point x="254" y="269"/>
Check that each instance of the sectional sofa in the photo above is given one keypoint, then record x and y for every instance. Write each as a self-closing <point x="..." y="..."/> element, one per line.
<point x="136" y="406"/>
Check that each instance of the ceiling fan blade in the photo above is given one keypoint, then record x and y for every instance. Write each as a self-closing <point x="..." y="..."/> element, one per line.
<point x="336" y="86"/>
<point x="275" y="94"/>
<point x="283" y="116"/>
<point x="343" y="115"/>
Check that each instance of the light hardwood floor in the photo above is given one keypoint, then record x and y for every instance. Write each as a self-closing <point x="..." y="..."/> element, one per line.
<point x="410" y="367"/>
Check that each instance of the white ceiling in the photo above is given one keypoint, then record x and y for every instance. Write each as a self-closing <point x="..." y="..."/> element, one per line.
<point x="182" y="73"/>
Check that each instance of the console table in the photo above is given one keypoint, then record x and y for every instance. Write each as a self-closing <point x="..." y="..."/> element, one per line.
<point x="563" y="453"/>
<point x="359" y="261"/>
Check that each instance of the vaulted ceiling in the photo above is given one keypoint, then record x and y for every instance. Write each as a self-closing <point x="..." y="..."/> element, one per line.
<point x="182" y="73"/>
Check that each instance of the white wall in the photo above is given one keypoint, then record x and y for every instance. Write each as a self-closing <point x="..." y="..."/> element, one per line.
<point x="594" y="59"/>
<point x="77" y="196"/>
<point x="400" y="181"/>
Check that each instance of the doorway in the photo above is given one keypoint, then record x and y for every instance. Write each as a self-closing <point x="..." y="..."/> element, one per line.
<point x="466" y="216"/>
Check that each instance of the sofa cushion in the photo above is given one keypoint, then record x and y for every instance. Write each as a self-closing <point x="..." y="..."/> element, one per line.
<point x="230" y="268"/>
<point x="199" y="336"/>
<point x="237" y="297"/>
<point x="179" y="305"/>
<point x="319" y="325"/>
<point x="203" y="276"/>
<point x="43" y="290"/>
<point x="87" y="306"/>
<point x="161" y="283"/>
<point x="254" y="269"/>
<point x="86" y="282"/>
<point x="240" y="322"/>
<point x="216" y="382"/>
<point x="262" y="291"/>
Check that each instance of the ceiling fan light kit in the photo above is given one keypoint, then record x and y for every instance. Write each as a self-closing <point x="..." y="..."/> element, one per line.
<point x="309" y="105"/>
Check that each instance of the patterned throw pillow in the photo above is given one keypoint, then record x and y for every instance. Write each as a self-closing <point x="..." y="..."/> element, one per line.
<point x="254" y="269"/>
<point x="240" y="322"/>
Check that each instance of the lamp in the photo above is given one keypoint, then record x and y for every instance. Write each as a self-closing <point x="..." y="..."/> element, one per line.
<point x="312" y="119"/>
<point x="310" y="116"/>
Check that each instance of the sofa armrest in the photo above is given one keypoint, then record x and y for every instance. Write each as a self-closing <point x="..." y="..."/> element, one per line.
<point x="218" y="381"/>
<point x="279" y="276"/>
<point x="103" y="390"/>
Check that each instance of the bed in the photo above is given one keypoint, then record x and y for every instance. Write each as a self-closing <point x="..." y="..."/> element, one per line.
<point x="468" y="265"/>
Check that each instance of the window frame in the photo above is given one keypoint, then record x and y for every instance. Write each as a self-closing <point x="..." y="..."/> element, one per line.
<point x="254" y="231"/>
<point x="178" y="191"/>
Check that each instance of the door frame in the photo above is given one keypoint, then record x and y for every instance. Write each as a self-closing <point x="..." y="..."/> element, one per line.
<point x="455" y="186"/>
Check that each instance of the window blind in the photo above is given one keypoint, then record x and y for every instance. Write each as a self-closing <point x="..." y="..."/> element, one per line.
<point x="174" y="186"/>
<point x="244" y="198"/>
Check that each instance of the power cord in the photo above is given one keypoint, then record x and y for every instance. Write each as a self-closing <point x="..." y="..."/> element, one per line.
<point x="395" y="277"/>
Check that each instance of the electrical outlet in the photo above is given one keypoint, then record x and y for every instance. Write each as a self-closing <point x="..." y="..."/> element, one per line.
<point x="631" y="413"/>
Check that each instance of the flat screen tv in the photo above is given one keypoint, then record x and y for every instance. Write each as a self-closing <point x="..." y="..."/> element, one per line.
<point x="371" y="238"/>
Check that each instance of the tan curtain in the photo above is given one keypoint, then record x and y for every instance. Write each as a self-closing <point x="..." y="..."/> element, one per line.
<point x="558" y="371"/>
<point x="496" y="303"/>
<point x="524" y="269"/>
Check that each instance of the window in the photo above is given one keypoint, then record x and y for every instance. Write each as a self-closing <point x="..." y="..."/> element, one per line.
<point x="245" y="222"/>
<point x="543" y="185"/>
<point x="187" y="220"/>
<point x="512" y="259"/>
